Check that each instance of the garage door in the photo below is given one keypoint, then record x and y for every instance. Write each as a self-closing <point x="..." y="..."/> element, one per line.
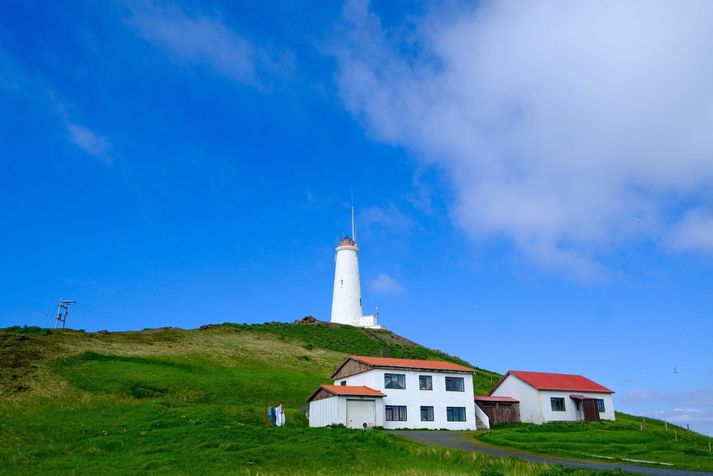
<point x="360" y="412"/>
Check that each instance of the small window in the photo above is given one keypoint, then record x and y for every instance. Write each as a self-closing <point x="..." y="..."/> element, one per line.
<point x="426" y="413"/>
<point x="455" y="413"/>
<point x="455" y="384"/>
<point x="425" y="382"/>
<point x="557" y="404"/>
<point x="600" y="405"/>
<point x="343" y="383"/>
<point x="395" y="413"/>
<point x="397" y="381"/>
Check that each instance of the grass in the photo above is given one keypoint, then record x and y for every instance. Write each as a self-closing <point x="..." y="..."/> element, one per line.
<point x="622" y="438"/>
<point x="174" y="401"/>
<point x="356" y="341"/>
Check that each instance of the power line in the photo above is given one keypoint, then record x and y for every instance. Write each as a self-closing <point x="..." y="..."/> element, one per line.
<point x="107" y="315"/>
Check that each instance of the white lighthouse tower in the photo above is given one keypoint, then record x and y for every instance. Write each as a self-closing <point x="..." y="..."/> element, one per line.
<point x="346" y="300"/>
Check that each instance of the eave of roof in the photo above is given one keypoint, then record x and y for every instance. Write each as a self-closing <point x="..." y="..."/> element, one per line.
<point x="348" y="390"/>
<point x="481" y="398"/>
<point x="386" y="362"/>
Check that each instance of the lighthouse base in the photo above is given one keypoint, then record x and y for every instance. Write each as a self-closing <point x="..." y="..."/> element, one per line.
<point x="371" y="322"/>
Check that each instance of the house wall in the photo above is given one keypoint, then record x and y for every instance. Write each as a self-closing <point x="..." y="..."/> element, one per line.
<point x="324" y="412"/>
<point x="413" y="398"/>
<point x="350" y="367"/>
<point x="333" y="410"/>
<point x="570" y="413"/>
<point x="499" y="412"/>
<point x="530" y="404"/>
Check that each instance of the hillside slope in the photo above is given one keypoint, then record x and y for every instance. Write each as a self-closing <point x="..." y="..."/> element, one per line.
<point x="187" y="401"/>
<point x="628" y="438"/>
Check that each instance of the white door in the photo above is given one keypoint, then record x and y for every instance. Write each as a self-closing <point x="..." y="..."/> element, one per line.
<point x="360" y="412"/>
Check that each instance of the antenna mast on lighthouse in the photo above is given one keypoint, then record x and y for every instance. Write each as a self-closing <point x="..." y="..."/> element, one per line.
<point x="354" y="231"/>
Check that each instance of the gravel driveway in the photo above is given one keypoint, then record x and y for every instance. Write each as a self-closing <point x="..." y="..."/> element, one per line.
<point x="464" y="440"/>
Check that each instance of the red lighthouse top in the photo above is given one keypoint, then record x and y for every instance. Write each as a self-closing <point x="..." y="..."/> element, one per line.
<point x="346" y="241"/>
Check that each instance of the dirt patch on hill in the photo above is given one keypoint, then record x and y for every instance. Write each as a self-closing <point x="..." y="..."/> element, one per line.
<point x="19" y="356"/>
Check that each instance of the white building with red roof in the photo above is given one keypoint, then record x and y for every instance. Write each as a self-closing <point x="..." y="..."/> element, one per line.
<point x="545" y="397"/>
<point x="396" y="393"/>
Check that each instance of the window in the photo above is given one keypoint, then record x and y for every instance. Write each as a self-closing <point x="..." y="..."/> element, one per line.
<point x="395" y="381"/>
<point x="343" y="383"/>
<point x="455" y="384"/>
<point x="600" y="405"/>
<point x="426" y="413"/>
<point x="455" y="413"/>
<point x="395" y="413"/>
<point x="557" y="404"/>
<point x="425" y="382"/>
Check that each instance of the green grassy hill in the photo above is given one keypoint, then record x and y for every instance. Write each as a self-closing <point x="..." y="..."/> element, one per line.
<point x="628" y="437"/>
<point x="178" y="401"/>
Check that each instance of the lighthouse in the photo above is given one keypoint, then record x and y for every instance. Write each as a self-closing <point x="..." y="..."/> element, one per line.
<point x="346" y="299"/>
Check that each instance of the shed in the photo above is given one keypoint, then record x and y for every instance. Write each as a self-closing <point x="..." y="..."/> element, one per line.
<point x="348" y="405"/>
<point x="499" y="409"/>
<point x="546" y="397"/>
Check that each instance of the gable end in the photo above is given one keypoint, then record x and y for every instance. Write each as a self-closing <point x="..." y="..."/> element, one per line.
<point x="320" y="394"/>
<point x="350" y="367"/>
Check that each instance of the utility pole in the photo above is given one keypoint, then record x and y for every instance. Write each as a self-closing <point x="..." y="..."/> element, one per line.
<point x="62" y="312"/>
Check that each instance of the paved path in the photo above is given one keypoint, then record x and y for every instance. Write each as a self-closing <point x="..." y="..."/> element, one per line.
<point x="464" y="440"/>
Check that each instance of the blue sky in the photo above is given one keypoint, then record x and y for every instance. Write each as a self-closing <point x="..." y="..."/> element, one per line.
<point x="534" y="183"/>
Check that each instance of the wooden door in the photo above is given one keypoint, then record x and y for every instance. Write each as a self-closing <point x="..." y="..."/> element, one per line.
<point x="591" y="412"/>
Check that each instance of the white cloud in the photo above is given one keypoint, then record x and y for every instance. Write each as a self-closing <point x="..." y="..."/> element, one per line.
<point x="693" y="406"/>
<point x="387" y="217"/>
<point x="566" y="128"/>
<point x="35" y="92"/>
<point x="385" y="284"/>
<point x="689" y="397"/>
<point x="694" y="232"/>
<point x="89" y="141"/>
<point x="206" y="41"/>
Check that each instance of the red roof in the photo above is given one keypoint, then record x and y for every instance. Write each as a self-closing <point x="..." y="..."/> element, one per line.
<point x="410" y="363"/>
<point x="549" y="381"/>
<point x="346" y="241"/>
<point x="480" y="398"/>
<point x="350" y="390"/>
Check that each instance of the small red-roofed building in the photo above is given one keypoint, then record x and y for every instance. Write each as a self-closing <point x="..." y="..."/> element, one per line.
<point x="498" y="410"/>
<point x="545" y="397"/>
<point x="396" y="393"/>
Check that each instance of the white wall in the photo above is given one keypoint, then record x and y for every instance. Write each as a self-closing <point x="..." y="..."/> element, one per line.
<point x="333" y="410"/>
<point x="324" y="412"/>
<point x="530" y="406"/>
<point x="570" y="413"/>
<point x="482" y="415"/>
<point x="346" y="300"/>
<point x="413" y="398"/>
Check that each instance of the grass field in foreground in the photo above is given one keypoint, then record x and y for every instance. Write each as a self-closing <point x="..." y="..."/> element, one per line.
<point x="193" y="402"/>
<point x="622" y="438"/>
